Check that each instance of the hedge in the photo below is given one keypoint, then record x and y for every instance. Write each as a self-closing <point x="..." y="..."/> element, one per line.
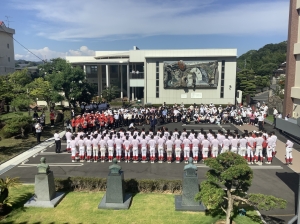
<point x="131" y="185"/>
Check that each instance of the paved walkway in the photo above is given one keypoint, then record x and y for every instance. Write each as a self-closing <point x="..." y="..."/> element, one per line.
<point x="23" y="157"/>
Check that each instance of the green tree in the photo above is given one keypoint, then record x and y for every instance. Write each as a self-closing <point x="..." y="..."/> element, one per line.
<point x="228" y="181"/>
<point x="19" y="125"/>
<point x="68" y="80"/>
<point x="264" y="60"/>
<point x="246" y="82"/>
<point x="17" y="94"/>
<point x="6" y="93"/>
<point x="42" y="89"/>
<point x="109" y="93"/>
<point x="22" y="101"/>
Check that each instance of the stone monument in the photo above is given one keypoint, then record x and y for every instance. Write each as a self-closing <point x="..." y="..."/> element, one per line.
<point x="115" y="197"/>
<point x="44" y="188"/>
<point x="190" y="187"/>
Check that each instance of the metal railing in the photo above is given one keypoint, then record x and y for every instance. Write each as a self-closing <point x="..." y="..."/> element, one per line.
<point x="140" y="75"/>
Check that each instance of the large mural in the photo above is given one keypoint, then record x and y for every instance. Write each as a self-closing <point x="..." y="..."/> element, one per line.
<point x="191" y="74"/>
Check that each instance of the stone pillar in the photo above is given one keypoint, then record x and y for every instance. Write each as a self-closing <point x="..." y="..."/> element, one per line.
<point x="121" y="81"/>
<point x="44" y="188"/>
<point x="107" y="76"/>
<point x="99" y="69"/>
<point x="115" y="197"/>
<point x="128" y="83"/>
<point x="291" y="58"/>
<point x="84" y="70"/>
<point x="190" y="187"/>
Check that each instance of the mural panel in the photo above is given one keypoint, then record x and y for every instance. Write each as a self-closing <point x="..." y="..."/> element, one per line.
<point x="191" y="74"/>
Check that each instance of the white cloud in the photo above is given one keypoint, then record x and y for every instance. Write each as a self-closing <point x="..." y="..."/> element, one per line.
<point x="46" y="53"/>
<point x="116" y="19"/>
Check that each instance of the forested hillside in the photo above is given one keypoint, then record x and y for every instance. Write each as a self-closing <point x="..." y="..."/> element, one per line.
<point x="265" y="60"/>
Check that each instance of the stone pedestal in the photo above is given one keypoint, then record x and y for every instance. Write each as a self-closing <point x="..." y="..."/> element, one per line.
<point x="115" y="197"/>
<point x="190" y="187"/>
<point x="115" y="189"/>
<point x="45" y="195"/>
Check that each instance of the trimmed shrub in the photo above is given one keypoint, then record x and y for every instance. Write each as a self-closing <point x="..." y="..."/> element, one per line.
<point x="67" y="115"/>
<point x="130" y="185"/>
<point x="13" y="126"/>
<point x="77" y="110"/>
<point x="59" y="107"/>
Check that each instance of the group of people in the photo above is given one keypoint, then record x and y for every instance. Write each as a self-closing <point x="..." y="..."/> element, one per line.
<point x="164" y="145"/>
<point x="91" y="120"/>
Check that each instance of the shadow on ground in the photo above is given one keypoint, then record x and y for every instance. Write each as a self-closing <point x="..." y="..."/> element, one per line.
<point x="292" y="181"/>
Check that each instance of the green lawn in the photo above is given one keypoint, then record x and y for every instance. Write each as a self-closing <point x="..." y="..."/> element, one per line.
<point x="82" y="207"/>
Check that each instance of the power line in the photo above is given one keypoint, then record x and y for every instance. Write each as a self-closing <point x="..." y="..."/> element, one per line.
<point x="29" y="50"/>
<point x="22" y="45"/>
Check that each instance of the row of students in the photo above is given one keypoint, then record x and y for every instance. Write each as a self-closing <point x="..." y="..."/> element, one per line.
<point x="132" y="145"/>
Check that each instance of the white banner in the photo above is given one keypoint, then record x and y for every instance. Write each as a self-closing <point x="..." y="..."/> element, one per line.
<point x="183" y="96"/>
<point x="196" y="95"/>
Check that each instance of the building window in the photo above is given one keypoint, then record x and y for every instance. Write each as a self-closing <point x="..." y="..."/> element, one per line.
<point x="8" y="59"/>
<point x="7" y="45"/>
<point x="222" y="79"/>
<point x="94" y="69"/>
<point x="91" y="71"/>
<point x="157" y="79"/>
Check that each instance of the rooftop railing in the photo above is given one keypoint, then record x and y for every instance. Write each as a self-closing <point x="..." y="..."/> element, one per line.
<point x="140" y="75"/>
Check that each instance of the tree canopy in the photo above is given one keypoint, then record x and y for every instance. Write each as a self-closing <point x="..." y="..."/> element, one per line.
<point x="109" y="93"/>
<point x="264" y="60"/>
<point x="68" y="80"/>
<point x="228" y="181"/>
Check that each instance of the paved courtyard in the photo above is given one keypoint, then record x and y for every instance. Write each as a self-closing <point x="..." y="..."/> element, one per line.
<point x="276" y="179"/>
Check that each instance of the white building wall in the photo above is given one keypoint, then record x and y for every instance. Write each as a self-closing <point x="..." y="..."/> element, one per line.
<point x="7" y="59"/>
<point x="171" y="96"/>
<point x="137" y="82"/>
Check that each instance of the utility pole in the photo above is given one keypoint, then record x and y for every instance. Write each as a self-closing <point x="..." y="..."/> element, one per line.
<point x="245" y="64"/>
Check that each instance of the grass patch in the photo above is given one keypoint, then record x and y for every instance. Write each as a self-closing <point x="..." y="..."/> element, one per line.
<point x="82" y="207"/>
<point x="270" y="118"/>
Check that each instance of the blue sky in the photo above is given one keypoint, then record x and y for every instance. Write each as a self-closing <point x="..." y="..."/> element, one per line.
<point x="56" y="28"/>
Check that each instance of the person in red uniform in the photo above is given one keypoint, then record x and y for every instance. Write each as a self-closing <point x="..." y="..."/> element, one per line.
<point x="73" y="124"/>
<point x="52" y="118"/>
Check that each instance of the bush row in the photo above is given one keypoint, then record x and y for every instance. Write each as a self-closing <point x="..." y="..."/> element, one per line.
<point x="130" y="185"/>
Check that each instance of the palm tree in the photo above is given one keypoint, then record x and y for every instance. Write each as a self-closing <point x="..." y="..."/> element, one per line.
<point x="5" y="184"/>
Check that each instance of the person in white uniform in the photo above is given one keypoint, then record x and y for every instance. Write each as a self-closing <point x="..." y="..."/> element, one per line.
<point x="169" y="146"/>
<point x="288" y="152"/>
